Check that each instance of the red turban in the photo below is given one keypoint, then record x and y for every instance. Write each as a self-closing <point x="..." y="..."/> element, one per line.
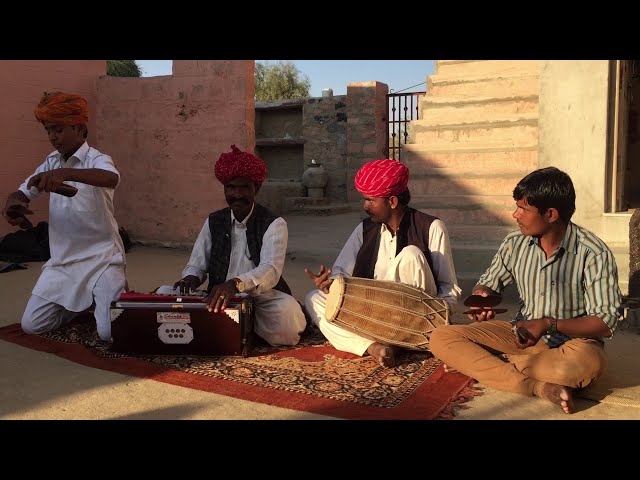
<point x="62" y="109"/>
<point x="240" y="164"/>
<point x="382" y="178"/>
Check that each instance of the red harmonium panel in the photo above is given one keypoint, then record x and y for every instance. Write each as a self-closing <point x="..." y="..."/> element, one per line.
<point x="151" y="324"/>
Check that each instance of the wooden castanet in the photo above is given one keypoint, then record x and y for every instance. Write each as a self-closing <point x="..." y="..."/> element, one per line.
<point x="482" y="301"/>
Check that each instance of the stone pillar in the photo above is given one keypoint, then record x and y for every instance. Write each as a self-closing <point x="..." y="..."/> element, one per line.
<point x="324" y="128"/>
<point x="366" y="128"/>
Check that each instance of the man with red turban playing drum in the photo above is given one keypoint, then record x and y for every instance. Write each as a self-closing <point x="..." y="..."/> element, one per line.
<point x="87" y="264"/>
<point x="242" y="248"/>
<point x="396" y="243"/>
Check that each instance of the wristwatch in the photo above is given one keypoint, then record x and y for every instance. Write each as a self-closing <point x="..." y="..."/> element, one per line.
<point x="240" y="286"/>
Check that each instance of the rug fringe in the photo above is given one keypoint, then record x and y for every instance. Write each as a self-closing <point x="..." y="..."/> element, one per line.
<point x="458" y="402"/>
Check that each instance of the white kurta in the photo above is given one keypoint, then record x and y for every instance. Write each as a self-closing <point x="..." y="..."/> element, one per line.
<point x="439" y="245"/>
<point x="279" y="318"/>
<point x="409" y="267"/>
<point x="83" y="233"/>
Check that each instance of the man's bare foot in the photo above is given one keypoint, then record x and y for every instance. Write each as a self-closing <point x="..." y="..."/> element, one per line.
<point x="449" y="369"/>
<point x="385" y="355"/>
<point x="558" y="394"/>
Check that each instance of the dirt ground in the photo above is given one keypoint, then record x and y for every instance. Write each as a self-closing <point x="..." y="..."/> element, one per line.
<point x="36" y="385"/>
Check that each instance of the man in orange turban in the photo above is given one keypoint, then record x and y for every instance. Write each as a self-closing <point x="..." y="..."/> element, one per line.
<point x="87" y="255"/>
<point x="62" y="109"/>
<point x="396" y="243"/>
<point x="241" y="249"/>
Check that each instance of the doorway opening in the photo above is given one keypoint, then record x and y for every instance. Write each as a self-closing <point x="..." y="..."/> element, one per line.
<point x="623" y="165"/>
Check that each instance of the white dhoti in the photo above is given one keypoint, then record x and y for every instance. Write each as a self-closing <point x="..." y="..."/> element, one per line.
<point x="279" y="318"/>
<point x="42" y="315"/>
<point x="409" y="267"/>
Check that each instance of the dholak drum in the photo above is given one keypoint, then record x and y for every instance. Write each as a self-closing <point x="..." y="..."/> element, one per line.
<point x="384" y="311"/>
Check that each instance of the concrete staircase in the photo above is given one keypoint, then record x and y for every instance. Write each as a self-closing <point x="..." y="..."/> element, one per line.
<point x="313" y="206"/>
<point x="477" y="137"/>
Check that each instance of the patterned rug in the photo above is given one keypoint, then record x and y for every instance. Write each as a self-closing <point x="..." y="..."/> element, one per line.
<point x="312" y="376"/>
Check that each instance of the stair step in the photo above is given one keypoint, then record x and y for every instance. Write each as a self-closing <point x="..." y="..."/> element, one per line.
<point x="482" y="85"/>
<point x="296" y="202"/>
<point x="473" y="173"/>
<point x="505" y="120"/>
<point x="439" y="110"/>
<point x="470" y="216"/>
<point x="458" y="101"/>
<point x="464" y="183"/>
<point x="488" y="67"/>
<point x="273" y="193"/>
<point x="468" y="202"/>
<point x="523" y="131"/>
<point x="470" y="147"/>
<point x="420" y="159"/>
<point x="316" y="210"/>
<point x="479" y="233"/>
<point x="473" y="257"/>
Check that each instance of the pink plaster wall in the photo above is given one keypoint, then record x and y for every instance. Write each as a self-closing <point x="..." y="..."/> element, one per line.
<point x="23" y="141"/>
<point x="165" y="134"/>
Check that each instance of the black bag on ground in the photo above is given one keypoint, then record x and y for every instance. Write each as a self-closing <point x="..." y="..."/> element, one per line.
<point x="126" y="241"/>
<point x="31" y="245"/>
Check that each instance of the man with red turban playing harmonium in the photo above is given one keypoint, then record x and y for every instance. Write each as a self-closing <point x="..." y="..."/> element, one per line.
<point x="87" y="264"/>
<point x="396" y="243"/>
<point x="242" y="249"/>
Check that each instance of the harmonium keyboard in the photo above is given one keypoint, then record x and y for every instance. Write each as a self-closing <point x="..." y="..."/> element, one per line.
<point x="152" y="324"/>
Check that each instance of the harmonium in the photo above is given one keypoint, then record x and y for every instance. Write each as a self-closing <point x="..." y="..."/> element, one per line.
<point x="153" y="324"/>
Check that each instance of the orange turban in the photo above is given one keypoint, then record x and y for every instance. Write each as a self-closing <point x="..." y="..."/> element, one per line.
<point x="62" y="109"/>
<point x="240" y="164"/>
<point x="382" y="178"/>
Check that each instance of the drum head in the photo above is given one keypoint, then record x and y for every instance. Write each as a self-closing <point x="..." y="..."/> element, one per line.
<point x="334" y="299"/>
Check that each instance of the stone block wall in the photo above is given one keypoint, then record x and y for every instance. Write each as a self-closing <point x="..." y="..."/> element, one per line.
<point x="325" y="132"/>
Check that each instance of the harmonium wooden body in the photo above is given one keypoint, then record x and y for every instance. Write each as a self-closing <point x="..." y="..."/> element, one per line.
<point x="152" y="324"/>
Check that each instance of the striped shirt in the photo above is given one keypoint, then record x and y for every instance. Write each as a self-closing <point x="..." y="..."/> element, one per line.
<point x="580" y="278"/>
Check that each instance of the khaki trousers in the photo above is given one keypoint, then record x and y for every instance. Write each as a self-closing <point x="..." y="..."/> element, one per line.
<point x="473" y="350"/>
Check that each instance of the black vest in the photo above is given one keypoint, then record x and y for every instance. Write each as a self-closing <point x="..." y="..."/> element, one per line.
<point x="220" y="228"/>
<point x="413" y="230"/>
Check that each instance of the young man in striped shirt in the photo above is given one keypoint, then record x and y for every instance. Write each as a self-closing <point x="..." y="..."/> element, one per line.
<point x="567" y="280"/>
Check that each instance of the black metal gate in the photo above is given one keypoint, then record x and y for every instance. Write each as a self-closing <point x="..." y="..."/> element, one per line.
<point x="401" y="109"/>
